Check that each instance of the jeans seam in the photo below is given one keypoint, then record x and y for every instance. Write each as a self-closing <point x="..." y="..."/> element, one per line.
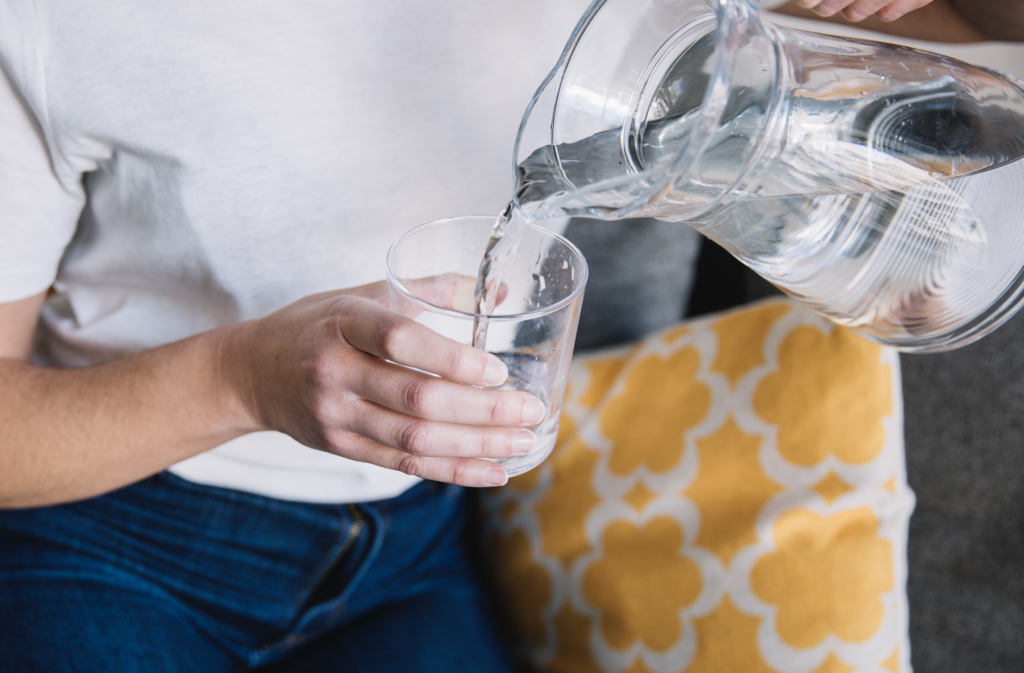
<point x="342" y="544"/>
<point x="296" y="634"/>
<point x="331" y="558"/>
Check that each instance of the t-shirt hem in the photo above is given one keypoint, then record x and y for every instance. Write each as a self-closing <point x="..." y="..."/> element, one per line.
<point x="295" y="484"/>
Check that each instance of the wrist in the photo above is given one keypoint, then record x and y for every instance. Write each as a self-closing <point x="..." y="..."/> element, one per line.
<point x="232" y="352"/>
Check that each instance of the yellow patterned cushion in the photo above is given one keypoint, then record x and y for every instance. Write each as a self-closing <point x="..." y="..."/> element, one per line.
<point x="726" y="496"/>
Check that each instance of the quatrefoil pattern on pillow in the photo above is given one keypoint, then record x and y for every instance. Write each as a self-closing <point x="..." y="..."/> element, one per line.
<point x="726" y="495"/>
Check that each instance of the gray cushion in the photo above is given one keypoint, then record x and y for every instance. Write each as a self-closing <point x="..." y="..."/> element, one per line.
<point x="964" y="431"/>
<point x="641" y="274"/>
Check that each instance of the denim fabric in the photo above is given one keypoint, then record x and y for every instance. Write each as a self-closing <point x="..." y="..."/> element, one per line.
<point x="167" y="575"/>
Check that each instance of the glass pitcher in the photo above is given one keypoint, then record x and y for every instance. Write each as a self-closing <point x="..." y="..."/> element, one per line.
<point x="877" y="183"/>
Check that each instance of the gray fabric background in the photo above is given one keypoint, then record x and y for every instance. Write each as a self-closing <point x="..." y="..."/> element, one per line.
<point x="641" y="275"/>
<point x="965" y="460"/>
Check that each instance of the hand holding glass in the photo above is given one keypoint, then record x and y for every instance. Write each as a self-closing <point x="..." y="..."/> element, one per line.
<point x="533" y="327"/>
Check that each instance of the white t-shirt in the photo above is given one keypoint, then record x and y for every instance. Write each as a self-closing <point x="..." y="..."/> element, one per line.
<point x="240" y="155"/>
<point x="175" y="166"/>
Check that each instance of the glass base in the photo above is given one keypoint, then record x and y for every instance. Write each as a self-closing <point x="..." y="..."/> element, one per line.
<point x="522" y="464"/>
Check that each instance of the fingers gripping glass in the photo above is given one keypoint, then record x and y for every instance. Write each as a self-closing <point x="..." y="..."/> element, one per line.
<point x="431" y="274"/>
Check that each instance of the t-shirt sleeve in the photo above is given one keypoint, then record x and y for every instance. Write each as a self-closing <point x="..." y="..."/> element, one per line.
<point x="38" y="213"/>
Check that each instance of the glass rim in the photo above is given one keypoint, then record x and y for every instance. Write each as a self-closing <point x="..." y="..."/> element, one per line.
<point x="393" y="281"/>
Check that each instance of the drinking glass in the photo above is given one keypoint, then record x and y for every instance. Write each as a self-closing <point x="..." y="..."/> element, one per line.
<point x="533" y="327"/>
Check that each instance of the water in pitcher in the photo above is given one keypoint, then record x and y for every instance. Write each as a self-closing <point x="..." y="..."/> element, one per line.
<point x="892" y="243"/>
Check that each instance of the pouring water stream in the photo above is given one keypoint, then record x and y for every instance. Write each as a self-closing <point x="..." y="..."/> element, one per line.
<point x="880" y="185"/>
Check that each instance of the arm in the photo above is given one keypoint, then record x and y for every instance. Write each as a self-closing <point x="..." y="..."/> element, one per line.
<point x="997" y="19"/>
<point x="70" y="434"/>
<point x="937" y="21"/>
<point x="315" y="370"/>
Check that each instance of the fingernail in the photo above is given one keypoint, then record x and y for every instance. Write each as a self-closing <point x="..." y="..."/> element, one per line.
<point x="496" y="372"/>
<point x="533" y="411"/>
<point x="522" y="442"/>
<point x="496" y="476"/>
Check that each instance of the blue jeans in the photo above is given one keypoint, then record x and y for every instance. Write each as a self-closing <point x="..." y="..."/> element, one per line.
<point x="168" y="575"/>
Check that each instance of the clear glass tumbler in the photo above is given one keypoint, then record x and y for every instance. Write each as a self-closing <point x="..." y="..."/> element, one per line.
<point x="533" y="327"/>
